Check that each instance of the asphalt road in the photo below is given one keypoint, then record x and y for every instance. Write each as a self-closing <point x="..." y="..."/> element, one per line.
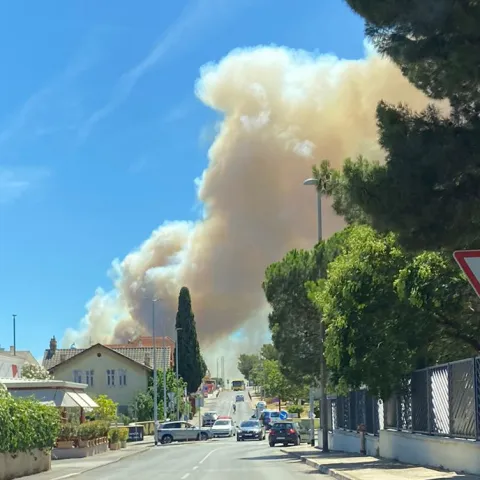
<point x="210" y="460"/>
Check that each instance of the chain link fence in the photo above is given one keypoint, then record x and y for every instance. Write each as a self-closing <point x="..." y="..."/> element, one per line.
<point x="441" y="400"/>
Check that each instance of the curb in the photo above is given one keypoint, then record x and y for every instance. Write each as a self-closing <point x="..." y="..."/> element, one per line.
<point x="131" y="454"/>
<point x="323" y="469"/>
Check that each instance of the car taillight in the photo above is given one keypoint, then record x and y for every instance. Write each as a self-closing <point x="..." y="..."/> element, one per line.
<point x="291" y="430"/>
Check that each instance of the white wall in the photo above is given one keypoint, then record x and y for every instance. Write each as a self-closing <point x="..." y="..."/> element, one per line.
<point x="457" y="455"/>
<point x="345" y="441"/>
<point x="452" y="454"/>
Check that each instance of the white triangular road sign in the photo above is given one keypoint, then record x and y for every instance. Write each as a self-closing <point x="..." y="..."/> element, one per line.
<point x="469" y="262"/>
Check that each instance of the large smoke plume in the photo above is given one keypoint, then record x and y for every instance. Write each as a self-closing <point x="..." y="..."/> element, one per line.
<point x="283" y="111"/>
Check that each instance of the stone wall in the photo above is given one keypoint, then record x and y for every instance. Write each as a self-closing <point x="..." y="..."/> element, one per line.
<point x="21" y="464"/>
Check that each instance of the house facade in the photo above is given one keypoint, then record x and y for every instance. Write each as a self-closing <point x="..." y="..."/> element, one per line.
<point x="118" y="371"/>
<point x="10" y="365"/>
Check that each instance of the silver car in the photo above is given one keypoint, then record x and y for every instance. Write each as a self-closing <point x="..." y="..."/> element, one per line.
<point x="224" y="427"/>
<point x="182" y="432"/>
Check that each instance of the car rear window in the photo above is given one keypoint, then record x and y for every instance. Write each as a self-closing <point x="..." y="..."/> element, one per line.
<point x="222" y="422"/>
<point x="250" y="424"/>
<point x="282" y="425"/>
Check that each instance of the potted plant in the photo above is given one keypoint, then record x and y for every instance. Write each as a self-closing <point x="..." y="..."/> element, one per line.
<point x="114" y="438"/>
<point x="84" y="435"/>
<point x="67" y="435"/>
<point x="102" y="429"/>
<point x="123" y="436"/>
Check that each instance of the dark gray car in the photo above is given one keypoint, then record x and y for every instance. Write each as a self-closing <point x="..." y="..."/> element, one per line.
<point x="250" y="430"/>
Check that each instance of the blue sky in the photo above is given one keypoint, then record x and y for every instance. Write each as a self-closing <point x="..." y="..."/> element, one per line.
<point x="101" y="133"/>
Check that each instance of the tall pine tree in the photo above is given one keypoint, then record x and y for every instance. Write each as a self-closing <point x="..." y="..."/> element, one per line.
<point x="427" y="190"/>
<point x="191" y="366"/>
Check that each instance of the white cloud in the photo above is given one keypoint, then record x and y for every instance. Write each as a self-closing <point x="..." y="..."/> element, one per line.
<point x="197" y="15"/>
<point x="16" y="182"/>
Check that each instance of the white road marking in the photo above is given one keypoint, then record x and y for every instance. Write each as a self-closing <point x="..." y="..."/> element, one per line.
<point x="195" y="467"/>
<point x="207" y="455"/>
<point x="185" y="476"/>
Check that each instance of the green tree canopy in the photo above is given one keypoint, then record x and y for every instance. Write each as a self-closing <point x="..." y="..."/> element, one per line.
<point x="142" y="407"/>
<point x="246" y="364"/>
<point x="191" y="365"/>
<point x="268" y="352"/>
<point x="388" y="312"/>
<point x="277" y="385"/>
<point x="434" y="42"/>
<point x="294" y="320"/>
<point x="426" y="191"/>
<point x="106" y="410"/>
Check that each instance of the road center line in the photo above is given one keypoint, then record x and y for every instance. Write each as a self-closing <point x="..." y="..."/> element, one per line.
<point x="185" y="476"/>
<point x="195" y="467"/>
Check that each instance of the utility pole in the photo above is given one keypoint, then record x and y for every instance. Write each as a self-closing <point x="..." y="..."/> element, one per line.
<point x="177" y="345"/>
<point x="223" y="369"/>
<point x="323" y="364"/>
<point x="155" y="379"/>
<point x="218" y="377"/>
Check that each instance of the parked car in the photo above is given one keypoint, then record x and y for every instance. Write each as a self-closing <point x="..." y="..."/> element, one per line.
<point x="209" y="418"/>
<point x="285" y="432"/>
<point x="223" y="427"/>
<point x="250" y="429"/>
<point x="182" y="431"/>
<point x="239" y="398"/>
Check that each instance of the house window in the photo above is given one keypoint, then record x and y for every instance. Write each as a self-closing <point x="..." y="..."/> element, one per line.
<point x="110" y="378"/>
<point x="122" y="378"/>
<point x="89" y="378"/>
<point x="77" y="376"/>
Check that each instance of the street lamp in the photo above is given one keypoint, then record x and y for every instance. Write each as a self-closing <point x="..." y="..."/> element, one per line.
<point x="164" y="372"/>
<point x="155" y="378"/>
<point x="177" y="329"/>
<point x="323" y="366"/>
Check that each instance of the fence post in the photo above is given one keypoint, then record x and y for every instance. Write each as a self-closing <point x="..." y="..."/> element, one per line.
<point x="450" y="397"/>
<point x="476" y="393"/>
<point x="429" y="395"/>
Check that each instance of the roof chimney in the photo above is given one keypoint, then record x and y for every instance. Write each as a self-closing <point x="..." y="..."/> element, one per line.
<point x="53" y="345"/>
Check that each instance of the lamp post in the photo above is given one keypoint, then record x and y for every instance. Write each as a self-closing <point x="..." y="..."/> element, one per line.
<point x="164" y="372"/>
<point x="177" y="329"/>
<point x="155" y="378"/>
<point x="323" y="366"/>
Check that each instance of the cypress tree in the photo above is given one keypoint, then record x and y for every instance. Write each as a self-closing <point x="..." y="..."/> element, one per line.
<point x="191" y="366"/>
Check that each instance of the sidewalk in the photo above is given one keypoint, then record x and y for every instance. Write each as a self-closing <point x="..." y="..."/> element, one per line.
<point x="347" y="466"/>
<point x="62" y="469"/>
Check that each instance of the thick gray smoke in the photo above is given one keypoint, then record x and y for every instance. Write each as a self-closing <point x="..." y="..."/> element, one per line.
<point x="283" y="111"/>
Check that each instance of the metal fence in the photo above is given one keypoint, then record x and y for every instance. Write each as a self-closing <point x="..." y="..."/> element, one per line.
<point x="442" y="400"/>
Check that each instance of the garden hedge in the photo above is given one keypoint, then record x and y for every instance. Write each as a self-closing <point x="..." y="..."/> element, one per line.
<point x="26" y="424"/>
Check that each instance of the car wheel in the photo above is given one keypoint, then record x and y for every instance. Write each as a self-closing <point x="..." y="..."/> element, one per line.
<point x="166" y="439"/>
<point x="271" y="444"/>
<point x="203" y="436"/>
<point x="297" y="441"/>
<point x="238" y="439"/>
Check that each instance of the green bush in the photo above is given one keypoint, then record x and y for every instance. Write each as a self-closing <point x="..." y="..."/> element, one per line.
<point x="295" y="409"/>
<point x="123" y="434"/>
<point x="68" y="431"/>
<point x="26" y="424"/>
<point x="114" y="435"/>
<point x="92" y="430"/>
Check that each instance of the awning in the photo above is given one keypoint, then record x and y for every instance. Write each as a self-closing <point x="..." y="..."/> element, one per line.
<point x="57" y="397"/>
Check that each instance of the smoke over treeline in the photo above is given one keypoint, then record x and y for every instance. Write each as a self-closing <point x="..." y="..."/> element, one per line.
<point x="283" y="111"/>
